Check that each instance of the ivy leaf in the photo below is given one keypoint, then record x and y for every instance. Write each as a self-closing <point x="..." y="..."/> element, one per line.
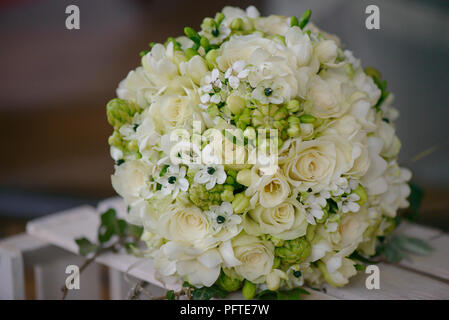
<point x="135" y="231"/>
<point x="415" y="199"/>
<point x="108" y="226"/>
<point x="207" y="293"/>
<point x="267" y="295"/>
<point x="170" y="295"/>
<point x="412" y="245"/>
<point x="357" y="256"/>
<point x="333" y="206"/>
<point x="85" y="246"/>
<point x="293" y="294"/>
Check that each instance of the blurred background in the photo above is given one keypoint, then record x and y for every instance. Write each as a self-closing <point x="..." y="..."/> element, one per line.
<point x="55" y="83"/>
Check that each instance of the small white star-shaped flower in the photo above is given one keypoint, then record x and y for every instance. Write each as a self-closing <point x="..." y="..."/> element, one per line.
<point x="235" y="73"/>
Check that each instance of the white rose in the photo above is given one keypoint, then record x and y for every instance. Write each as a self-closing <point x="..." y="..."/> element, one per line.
<point x="316" y="163"/>
<point x="286" y="221"/>
<point x="256" y="257"/>
<point x="195" y="69"/>
<point x="172" y="111"/>
<point x="326" y="51"/>
<point x="270" y="191"/>
<point x="129" y="178"/>
<point x="185" y="224"/>
<point x="327" y="98"/>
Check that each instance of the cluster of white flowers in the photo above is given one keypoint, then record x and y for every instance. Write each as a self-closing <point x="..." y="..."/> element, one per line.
<point x="335" y="186"/>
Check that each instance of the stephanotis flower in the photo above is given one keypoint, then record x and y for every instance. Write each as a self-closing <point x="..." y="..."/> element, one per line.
<point x="235" y="73"/>
<point x="210" y="175"/>
<point x="222" y="216"/>
<point x="212" y="84"/>
<point x="174" y="181"/>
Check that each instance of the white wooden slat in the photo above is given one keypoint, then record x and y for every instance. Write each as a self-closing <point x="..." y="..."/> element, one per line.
<point x="11" y="274"/>
<point x="395" y="283"/>
<point x="436" y="263"/>
<point x="50" y="276"/>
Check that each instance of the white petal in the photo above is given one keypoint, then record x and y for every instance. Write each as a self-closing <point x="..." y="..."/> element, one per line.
<point x="228" y="255"/>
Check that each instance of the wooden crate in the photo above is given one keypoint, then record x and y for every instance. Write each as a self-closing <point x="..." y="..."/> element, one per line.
<point x="52" y="237"/>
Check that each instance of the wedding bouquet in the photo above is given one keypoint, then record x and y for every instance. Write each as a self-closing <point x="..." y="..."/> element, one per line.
<point x="256" y="152"/>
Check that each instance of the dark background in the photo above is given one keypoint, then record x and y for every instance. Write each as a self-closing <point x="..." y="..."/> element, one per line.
<point x="54" y="85"/>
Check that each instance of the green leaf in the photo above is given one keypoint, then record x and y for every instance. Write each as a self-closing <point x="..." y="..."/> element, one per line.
<point x="206" y="293"/>
<point x="267" y="295"/>
<point x="110" y="226"/>
<point x="412" y="245"/>
<point x="415" y="199"/>
<point x="293" y="294"/>
<point x="170" y="295"/>
<point x="357" y="256"/>
<point x="85" y="246"/>
<point x="359" y="267"/>
<point x="135" y="231"/>
<point x="333" y="206"/>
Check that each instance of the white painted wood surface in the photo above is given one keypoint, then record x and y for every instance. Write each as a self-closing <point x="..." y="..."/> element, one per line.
<point x="396" y="283"/>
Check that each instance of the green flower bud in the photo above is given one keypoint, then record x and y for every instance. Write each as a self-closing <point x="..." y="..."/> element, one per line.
<point x="244" y="177"/>
<point x="280" y="114"/>
<point x="361" y="192"/>
<point x="276" y="262"/>
<point x="373" y="72"/>
<point x="192" y="35"/>
<point x="204" y="198"/>
<point x="212" y="110"/>
<point x="235" y="103"/>
<point x="311" y="231"/>
<point x="294" y="131"/>
<point x="219" y="17"/>
<point x="293" y="105"/>
<point x="237" y="24"/>
<point x="294" y="21"/>
<point x="208" y="23"/>
<point x="240" y="203"/>
<point x="230" y="180"/>
<point x="294" y="251"/>
<point x="307" y="118"/>
<point x="119" y="112"/>
<point x="232" y="173"/>
<point x="204" y="42"/>
<point x="227" y="196"/>
<point x="211" y="57"/>
<point x="292" y="120"/>
<point x="305" y="18"/>
<point x="227" y="283"/>
<point x="190" y="53"/>
<point x="248" y="290"/>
